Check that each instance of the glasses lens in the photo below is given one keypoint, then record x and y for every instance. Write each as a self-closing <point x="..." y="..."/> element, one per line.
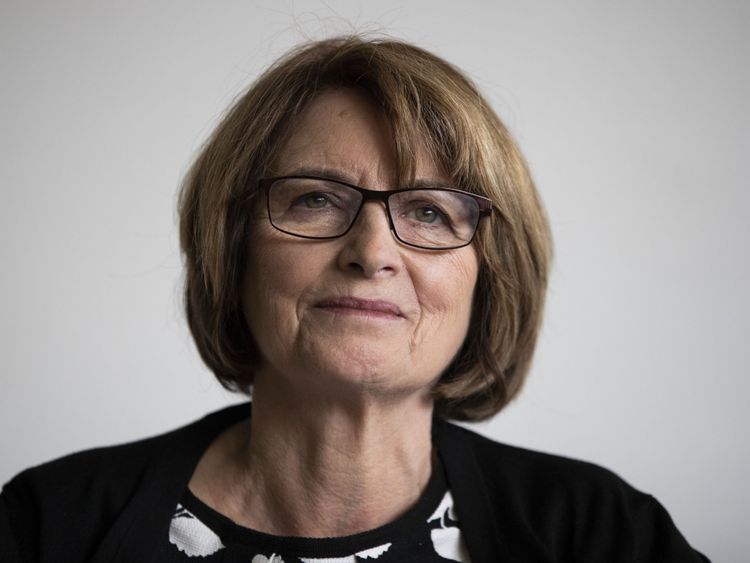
<point x="312" y="207"/>
<point x="434" y="218"/>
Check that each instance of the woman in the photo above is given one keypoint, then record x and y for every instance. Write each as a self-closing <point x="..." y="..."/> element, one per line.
<point x="366" y="253"/>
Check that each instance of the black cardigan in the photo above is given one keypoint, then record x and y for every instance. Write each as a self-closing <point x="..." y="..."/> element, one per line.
<point x="114" y="504"/>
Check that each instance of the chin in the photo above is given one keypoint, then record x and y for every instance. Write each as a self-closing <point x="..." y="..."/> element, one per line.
<point x="371" y="376"/>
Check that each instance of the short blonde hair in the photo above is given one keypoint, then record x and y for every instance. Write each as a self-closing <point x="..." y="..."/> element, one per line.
<point x="428" y="102"/>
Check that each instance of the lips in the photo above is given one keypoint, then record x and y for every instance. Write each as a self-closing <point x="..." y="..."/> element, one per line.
<point x="354" y="305"/>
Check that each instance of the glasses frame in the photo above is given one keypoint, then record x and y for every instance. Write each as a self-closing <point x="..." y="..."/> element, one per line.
<point x="484" y="203"/>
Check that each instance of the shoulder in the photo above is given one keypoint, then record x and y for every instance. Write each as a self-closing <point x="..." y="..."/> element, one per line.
<point x="109" y="468"/>
<point x="553" y="504"/>
<point x="88" y="491"/>
<point x="93" y="467"/>
<point x="120" y="464"/>
<point x="524" y="468"/>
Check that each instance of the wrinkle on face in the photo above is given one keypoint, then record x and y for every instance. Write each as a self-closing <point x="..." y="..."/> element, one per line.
<point x="453" y="309"/>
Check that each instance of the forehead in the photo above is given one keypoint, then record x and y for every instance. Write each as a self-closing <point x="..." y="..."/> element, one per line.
<point x="346" y="132"/>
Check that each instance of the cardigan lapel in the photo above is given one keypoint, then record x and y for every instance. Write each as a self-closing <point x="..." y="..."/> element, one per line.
<point x="476" y="514"/>
<point x="144" y="522"/>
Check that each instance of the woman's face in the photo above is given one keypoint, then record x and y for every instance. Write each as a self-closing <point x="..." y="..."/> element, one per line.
<point x="364" y="311"/>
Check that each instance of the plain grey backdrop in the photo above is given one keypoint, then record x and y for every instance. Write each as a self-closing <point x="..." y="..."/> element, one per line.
<point x="634" y="118"/>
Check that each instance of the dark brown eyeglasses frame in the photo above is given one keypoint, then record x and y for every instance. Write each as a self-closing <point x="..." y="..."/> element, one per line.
<point x="484" y="203"/>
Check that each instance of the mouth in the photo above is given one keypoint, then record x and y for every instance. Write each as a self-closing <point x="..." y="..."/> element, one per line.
<point x="373" y="308"/>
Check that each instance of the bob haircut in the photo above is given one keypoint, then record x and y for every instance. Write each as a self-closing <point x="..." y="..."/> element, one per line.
<point x="428" y="103"/>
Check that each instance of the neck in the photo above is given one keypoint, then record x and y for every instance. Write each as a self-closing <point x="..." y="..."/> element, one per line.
<point x="354" y="464"/>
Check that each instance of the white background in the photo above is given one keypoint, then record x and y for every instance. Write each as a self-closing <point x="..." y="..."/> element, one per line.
<point x="634" y="118"/>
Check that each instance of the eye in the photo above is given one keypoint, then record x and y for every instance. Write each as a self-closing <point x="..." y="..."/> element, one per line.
<point x="427" y="214"/>
<point x="313" y="200"/>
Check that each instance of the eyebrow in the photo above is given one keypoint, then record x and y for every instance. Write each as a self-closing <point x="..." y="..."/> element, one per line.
<point x="322" y="172"/>
<point x="340" y="176"/>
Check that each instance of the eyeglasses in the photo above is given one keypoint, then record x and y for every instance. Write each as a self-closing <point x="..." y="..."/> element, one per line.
<point x="320" y="208"/>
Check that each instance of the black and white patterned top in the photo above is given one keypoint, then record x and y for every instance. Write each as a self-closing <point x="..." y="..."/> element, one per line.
<point x="428" y="532"/>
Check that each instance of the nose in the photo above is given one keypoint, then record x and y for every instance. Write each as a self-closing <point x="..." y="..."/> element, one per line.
<point x="369" y="248"/>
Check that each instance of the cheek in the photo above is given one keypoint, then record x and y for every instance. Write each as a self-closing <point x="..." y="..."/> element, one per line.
<point x="281" y="273"/>
<point x="445" y="290"/>
<point x="446" y="286"/>
<point x="276" y="279"/>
